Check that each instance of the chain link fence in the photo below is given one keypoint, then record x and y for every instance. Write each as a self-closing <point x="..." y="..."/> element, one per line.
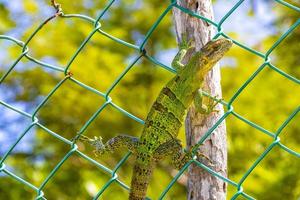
<point x="267" y="63"/>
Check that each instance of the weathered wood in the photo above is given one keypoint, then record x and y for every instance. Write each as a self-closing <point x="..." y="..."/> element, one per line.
<point x="202" y="185"/>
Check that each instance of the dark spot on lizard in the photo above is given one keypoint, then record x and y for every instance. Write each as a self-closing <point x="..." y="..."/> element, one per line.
<point x="166" y="91"/>
<point x="173" y="116"/>
<point x="159" y="107"/>
<point x="177" y="78"/>
<point x="149" y="123"/>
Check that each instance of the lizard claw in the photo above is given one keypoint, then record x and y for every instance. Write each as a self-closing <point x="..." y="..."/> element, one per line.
<point x="213" y="102"/>
<point x="185" y="43"/>
<point x="96" y="142"/>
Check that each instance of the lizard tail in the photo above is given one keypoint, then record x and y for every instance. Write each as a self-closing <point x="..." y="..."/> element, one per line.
<point x="140" y="180"/>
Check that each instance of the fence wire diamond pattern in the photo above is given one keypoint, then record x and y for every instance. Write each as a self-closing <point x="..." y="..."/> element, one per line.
<point x="267" y="63"/>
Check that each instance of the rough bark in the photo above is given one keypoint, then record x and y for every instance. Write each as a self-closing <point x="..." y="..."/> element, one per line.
<point x="202" y="185"/>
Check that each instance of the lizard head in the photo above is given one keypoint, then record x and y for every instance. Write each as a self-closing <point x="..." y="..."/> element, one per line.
<point x="212" y="52"/>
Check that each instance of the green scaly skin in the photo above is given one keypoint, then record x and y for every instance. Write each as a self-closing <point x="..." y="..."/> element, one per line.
<point x="166" y="116"/>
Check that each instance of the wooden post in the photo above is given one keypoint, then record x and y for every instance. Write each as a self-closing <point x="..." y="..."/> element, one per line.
<point x="202" y="185"/>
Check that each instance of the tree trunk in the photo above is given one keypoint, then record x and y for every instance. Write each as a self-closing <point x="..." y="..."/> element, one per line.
<point x="201" y="184"/>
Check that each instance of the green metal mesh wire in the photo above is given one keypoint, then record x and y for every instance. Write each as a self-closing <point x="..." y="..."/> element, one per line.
<point x="267" y="63"/>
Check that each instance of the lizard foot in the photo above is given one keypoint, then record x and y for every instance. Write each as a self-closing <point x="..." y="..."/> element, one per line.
<point x="212" y="102"/>
<point x="96" y="142"/>
<point x="185" y="43"/>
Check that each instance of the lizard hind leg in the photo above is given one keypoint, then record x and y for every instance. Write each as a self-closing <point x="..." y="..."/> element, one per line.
<point x="113" y="144"/>
<point x="179" y="156"/>
<point x="174" y="149"/>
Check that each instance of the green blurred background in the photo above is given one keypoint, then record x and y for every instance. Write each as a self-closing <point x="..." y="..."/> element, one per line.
<point x="267" y="101"/>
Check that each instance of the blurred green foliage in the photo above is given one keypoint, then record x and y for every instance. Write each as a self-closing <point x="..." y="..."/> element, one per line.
<point x="267" y="101"/>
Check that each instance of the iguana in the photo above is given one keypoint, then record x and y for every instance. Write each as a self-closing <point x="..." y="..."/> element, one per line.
<point x="159" y="136"/>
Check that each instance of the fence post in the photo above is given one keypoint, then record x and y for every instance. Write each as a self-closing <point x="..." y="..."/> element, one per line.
<point x="202" y="185"/>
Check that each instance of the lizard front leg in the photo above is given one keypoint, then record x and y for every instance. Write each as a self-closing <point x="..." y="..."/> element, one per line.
<point x="183" y="48"/>
<point x="113" y="144"/>
<point x="201" y="107"/>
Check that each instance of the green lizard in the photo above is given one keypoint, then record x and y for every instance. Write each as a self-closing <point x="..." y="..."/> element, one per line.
<point x="159" y="136"/>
